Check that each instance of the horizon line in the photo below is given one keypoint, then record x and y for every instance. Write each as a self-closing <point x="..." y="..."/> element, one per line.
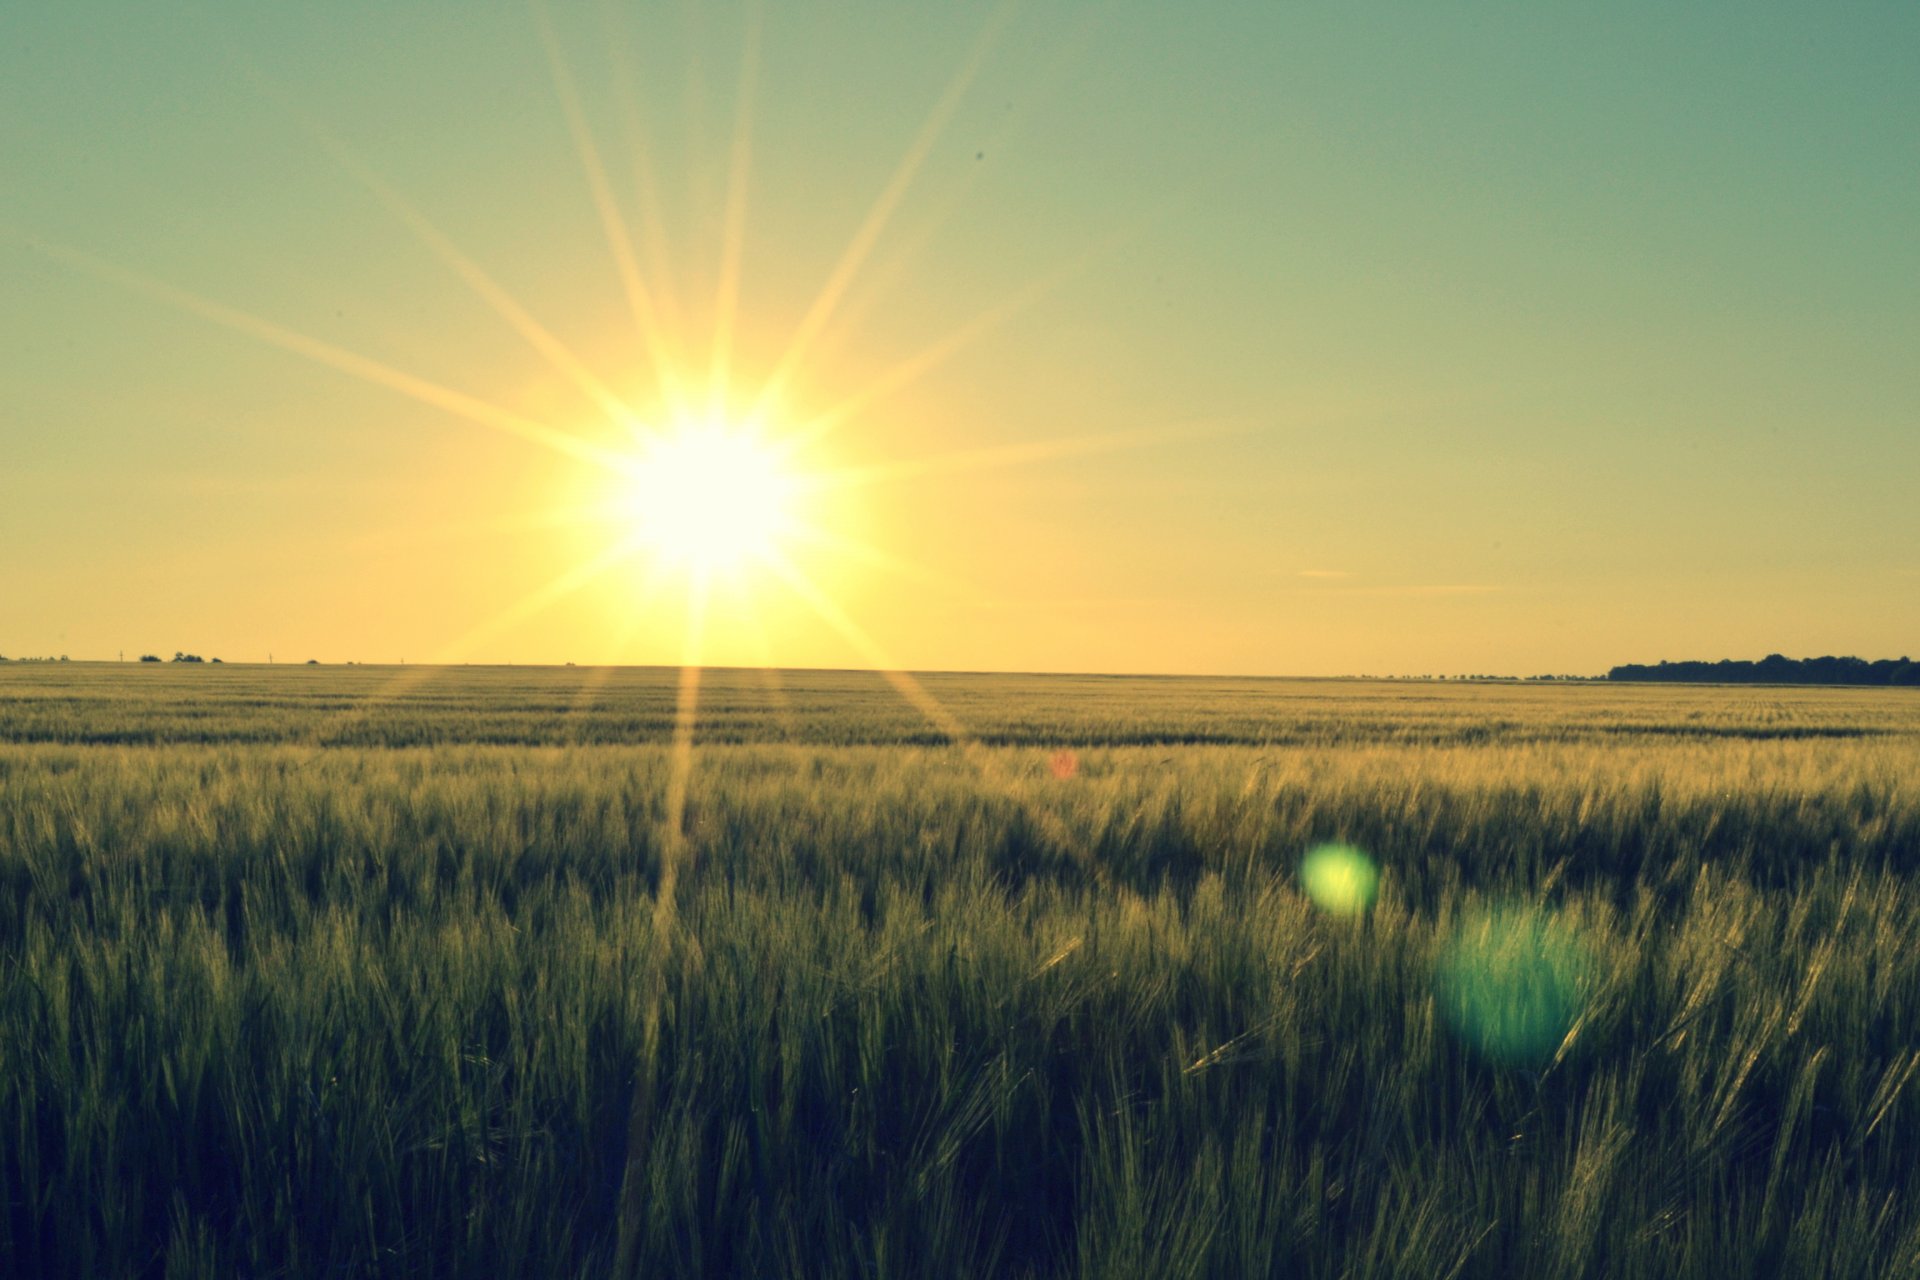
<point x="669" y="667"/>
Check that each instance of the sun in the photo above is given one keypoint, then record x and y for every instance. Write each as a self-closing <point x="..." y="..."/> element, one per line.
<point x="710" y="497"/>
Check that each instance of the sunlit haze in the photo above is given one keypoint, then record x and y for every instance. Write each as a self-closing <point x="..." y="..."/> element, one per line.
<point x="1070" y="337"/>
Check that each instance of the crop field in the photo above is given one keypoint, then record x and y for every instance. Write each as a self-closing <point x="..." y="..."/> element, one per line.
<point x="356" y="971"/>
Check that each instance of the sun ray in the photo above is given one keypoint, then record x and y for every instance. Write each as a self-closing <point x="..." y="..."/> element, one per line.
<point x="365" y="368"/>
<point x="653" y="239"/>
<point x="541" y="597"/>
<point x="696" y="187"/>
<point x="921" y="699"/>
<point x="882" y="210"/>
<point x="413" y="675"/>
<point x="551" y="348"/>
<point x="864" y="552"/>
<point x="1016" y="454"/>
<point x="869" y="649"/>
<point x="665" y="936"/>
<point x="916" y="366"/>
<point x="489" y="290"/>
<point x="1060" y="63"/>
<point x="646" y="312"/>
<point x="674" y="847"/>
<point x="734" y="222"/>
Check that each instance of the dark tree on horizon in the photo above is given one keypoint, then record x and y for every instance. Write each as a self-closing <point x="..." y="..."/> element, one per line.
<point x="1776" y="669"/>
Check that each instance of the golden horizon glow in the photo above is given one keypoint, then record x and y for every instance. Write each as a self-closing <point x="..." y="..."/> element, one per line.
<point x="695" y="495"/>
<point x="708" y="504"/>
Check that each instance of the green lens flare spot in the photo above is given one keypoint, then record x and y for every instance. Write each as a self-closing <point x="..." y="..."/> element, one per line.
<point x="1339" y="878"/>
<point x="1511" y="983"/>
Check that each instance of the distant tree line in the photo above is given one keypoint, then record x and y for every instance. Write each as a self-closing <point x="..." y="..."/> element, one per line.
<point x="1774" y="669"/>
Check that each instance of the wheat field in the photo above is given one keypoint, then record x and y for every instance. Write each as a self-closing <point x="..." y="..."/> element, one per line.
<point x="357" y="971"/>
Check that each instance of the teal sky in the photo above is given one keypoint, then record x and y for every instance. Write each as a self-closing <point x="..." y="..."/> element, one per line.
<point x="1434" y="339"/>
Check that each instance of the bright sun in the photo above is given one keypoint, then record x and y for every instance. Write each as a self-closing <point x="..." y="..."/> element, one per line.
<point x="710" y="497"/>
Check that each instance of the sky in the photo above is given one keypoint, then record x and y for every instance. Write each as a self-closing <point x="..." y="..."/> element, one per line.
<point x="1216" y="338"/>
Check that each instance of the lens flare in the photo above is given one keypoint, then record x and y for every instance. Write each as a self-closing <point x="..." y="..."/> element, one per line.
<point x="1511" y="983"/>
<point x="1339" y="878"/>
<point x="1063" y="765"/>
